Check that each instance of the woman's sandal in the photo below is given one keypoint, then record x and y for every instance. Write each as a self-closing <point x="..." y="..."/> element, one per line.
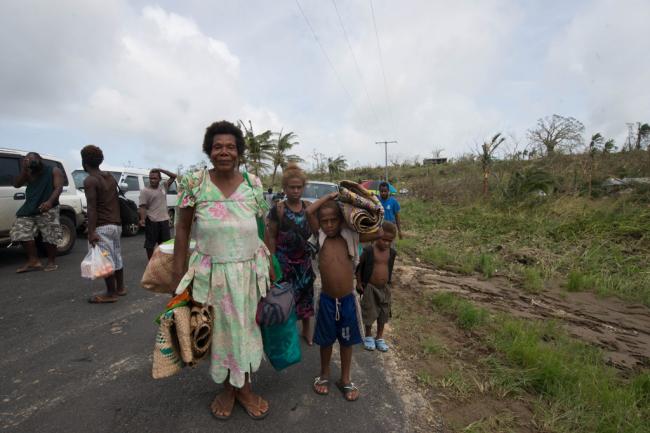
<point x="249" y="408"/>
<point x="318" y="381"/>
<point x="348" y="390"/>
<point x="220" y="409"/>
<point x="102" y="299"/>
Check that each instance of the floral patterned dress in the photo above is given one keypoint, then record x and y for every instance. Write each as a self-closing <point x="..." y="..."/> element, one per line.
<point x="229" y="270"/>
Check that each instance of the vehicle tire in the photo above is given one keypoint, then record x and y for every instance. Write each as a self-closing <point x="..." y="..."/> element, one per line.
<point x="129" y="230"/>
<point x="171" y="218"/>
<point x="68" y="238"/>
<point x="69" y="235"/>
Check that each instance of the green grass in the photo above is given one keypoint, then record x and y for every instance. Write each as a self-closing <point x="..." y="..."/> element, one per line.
<point x="532" y="280"/>
<point x="467" y="315"/>
<point x="606" y="240"/>
<point x="430" y="346"/>
<point x="577" y="391"/>
<point x="486" y="265"/>
<point x="578" y="282"/>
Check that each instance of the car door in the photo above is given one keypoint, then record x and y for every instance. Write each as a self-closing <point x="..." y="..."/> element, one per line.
<point x="133" y="187"/>
<point x="10" y="198"/>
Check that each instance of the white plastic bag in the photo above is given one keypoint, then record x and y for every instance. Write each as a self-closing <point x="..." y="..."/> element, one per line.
<point x="96" y="264"/>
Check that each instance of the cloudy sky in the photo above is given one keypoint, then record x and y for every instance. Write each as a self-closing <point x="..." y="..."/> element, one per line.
<point x="143" y="79"/>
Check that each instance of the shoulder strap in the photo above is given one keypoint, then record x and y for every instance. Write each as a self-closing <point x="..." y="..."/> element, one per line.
<point x="280" y="207"/>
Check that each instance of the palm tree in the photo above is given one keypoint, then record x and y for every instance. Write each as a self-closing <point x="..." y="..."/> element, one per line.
<point x="642" y="132"/>
<point x="280" y="156"/>
<point x="487" y="156"/>
<point x="595" y="144"/>
<point x="336" y="165"/>
<point x="258" y="149"/>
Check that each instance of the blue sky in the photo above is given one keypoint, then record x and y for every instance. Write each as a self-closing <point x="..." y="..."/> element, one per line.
<point x="143" y="79"/>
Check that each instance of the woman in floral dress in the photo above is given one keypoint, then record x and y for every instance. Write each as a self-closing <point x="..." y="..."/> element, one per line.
<point x="288" y="231"/>
<point x="229" y="268"/>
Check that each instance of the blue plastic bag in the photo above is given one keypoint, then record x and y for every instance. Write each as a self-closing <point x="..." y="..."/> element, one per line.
<point x="282" y="343"/>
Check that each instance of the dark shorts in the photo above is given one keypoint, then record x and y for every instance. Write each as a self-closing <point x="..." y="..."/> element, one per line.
<point x="337" y="320"/>
<point x="155" y="232"/>
<point x="375" y="304"/>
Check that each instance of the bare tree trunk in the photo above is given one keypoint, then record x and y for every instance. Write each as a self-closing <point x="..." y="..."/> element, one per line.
<point x="275" y="170"/>
<point x="486" y="175"/>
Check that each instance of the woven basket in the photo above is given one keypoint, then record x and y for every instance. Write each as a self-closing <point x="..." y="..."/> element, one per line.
<point x="201" y="334"/>
<point x="158" y="276"/>
<point x="166" y="361"/>
<point x="183" y="331"/>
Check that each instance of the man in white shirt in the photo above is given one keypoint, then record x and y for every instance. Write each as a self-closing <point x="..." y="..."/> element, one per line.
<point x="153" y="209"/>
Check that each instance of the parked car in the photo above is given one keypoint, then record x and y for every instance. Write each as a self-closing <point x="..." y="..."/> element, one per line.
<point x="72" y="215"/>
<point x="315" y="190"/>
<point x="131" y="181"/>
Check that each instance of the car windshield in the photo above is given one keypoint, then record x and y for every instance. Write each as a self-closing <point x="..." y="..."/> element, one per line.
<point x="318" y="190"/>
<point x="80" y="175"/>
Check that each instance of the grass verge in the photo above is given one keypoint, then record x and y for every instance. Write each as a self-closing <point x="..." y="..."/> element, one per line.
<point x="598" y="245"/>
<point x="576" y="391"/>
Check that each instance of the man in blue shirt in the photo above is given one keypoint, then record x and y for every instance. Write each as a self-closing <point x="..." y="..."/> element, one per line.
<point x="391" y="207"/>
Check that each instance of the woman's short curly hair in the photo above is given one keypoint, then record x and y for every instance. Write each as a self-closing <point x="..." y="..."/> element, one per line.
<point x="293" y="171"/>
<point x="92" y="156"/>
<point x="223" y="127"/>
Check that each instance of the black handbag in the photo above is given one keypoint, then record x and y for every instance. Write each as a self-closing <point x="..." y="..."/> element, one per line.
<point x="128" y="209"/>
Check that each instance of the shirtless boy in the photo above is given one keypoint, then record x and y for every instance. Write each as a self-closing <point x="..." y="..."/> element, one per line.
<point x="373" y="281"/>
<point x="337" y="306"/>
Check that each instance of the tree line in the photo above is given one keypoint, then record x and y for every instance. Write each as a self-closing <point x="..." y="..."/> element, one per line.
<point x="559" y="134"/>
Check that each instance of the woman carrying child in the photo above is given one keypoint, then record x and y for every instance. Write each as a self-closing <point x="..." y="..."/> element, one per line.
<point x="287" y="234"/>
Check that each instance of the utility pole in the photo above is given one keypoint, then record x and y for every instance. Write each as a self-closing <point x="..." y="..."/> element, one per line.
<point x="386" y="143"/>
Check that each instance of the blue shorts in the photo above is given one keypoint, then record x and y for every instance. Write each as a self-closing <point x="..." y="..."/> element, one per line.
<point x="337" y="319"/>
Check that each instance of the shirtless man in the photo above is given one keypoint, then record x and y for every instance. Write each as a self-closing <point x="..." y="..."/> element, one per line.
<point x="104" y="223"/>
<point x="373" y="281"/>
<point x="337" y="306"/>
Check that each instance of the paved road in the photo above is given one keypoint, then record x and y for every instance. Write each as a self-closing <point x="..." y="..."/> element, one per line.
<point x="69" y="366"/>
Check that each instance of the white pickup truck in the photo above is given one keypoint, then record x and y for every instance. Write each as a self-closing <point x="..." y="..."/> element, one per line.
<point x="71" y="212"/>
<point x="131" y="181"/>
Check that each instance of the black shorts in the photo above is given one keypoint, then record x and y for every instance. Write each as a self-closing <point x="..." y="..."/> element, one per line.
<point x="155" y="232"/>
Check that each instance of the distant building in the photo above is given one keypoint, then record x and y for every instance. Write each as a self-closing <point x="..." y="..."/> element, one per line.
<point x="432" y="161"/>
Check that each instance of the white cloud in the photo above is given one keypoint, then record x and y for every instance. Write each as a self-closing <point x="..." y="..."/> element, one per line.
<point x="145" y="80"/>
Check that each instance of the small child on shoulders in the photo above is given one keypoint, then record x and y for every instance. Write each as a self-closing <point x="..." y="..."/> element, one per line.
<point x="373" y="281"/>
<point x="337" y="306"/>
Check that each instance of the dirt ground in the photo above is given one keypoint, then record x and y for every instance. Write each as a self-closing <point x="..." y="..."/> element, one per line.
<point x="443" y="377"/>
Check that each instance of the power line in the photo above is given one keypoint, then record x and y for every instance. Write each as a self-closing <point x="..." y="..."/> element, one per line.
<point x="329" y="61"/>
<point x="356" y="63"/>
<point x="381" y="64"/>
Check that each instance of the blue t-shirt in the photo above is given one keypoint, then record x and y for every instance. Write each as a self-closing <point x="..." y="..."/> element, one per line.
<point x="391" y="207"/>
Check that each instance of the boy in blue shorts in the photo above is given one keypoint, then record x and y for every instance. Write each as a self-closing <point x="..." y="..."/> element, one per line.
<point x="338" y="311"/>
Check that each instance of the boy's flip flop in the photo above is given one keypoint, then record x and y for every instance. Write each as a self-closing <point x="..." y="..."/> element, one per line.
<point x="50" y="268"/>
<point x="348" y="390"/>
<point x="318" y="381"/>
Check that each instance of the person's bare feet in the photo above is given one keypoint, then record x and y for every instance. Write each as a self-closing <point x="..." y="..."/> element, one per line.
<point x="30" y="266"/>
<point x="223" y="404"/>
<point x="253" y="404"/>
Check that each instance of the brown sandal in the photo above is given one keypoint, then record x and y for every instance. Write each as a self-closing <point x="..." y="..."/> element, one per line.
<point x="102" y="299"/>
<point x="220" y="403"/>
<point x="249" y="408"/>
